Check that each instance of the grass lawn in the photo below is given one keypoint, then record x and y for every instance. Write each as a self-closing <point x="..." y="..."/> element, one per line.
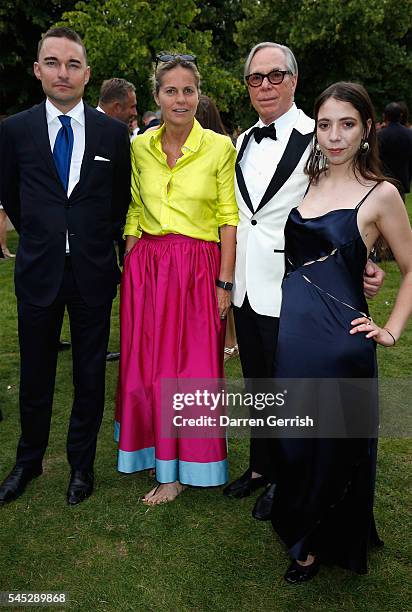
<point x="203" y="552"/>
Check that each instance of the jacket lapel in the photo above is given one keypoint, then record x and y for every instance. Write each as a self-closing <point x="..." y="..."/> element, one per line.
<point x="92" y="135"/>
<point x="239" y="174"/>
<point x="295" y="148"/>
<point x="38" y="129"/>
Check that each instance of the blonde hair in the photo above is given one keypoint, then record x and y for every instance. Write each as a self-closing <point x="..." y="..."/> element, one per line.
<point x="165" y="67"/>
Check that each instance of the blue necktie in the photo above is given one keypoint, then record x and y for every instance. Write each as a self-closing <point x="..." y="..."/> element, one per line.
<point x="63" y="148"/>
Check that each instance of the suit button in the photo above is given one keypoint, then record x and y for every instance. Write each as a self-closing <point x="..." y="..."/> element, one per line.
<point x="254" y="222"/>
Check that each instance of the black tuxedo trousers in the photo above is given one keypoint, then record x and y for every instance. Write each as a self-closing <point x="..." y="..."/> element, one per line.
<point x="257" y="339"/>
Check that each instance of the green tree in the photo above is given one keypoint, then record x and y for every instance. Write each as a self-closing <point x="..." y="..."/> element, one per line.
<point x="21" y="26"/>
<point x="123" y="37"/>
<point x="368" y="41"/>
<point x="219" y="17"/>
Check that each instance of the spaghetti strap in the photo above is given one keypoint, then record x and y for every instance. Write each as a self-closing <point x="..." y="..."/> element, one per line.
<point x="365" y="196"/>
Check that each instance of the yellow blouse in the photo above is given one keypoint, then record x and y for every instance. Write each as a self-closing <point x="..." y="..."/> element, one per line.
<point x="194" y="198"/>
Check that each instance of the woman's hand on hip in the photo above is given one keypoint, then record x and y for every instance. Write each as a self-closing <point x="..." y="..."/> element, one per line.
<point x="380" y="334"/>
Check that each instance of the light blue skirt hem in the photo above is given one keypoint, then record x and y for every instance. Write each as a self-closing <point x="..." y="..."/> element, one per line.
<point x="196" y="474"/>
<point x="212" y="474"/>
<point x="136" y="461"/>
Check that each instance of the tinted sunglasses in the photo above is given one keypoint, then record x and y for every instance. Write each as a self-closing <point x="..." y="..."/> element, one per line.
<point x="274" y="76"/>
<point x="169" y="57"/>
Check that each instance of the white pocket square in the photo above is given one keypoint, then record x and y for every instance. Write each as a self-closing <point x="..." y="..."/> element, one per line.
<point x="98" y="158"/>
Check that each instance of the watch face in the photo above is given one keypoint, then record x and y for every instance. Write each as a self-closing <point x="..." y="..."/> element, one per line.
<point x="224" y="285"/>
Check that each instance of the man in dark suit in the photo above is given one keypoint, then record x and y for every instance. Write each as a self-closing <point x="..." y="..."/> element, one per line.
<point x="395" y="147"/>
<point x="65" y="184"/>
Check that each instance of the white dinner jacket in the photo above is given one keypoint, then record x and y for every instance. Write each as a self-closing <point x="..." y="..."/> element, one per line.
<point x="260" y="264"/>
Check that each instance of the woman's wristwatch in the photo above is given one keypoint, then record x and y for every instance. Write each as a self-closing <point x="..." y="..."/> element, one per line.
<point x="224" y="285"/>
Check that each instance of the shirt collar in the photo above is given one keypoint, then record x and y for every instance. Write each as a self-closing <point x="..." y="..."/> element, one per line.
<point x="195" y="137"/>
<point x="285" y="122"/>
<point x="99" y="108"/>
<point x="192" y="143"/>
<point x="76" y="113"/>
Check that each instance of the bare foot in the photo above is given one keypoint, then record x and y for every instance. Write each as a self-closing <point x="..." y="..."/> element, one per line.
<point x="152" y="472"/>
<point x="163" y="493"/>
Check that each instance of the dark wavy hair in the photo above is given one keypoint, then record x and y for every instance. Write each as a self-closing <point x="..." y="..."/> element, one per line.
<point x="208" y="115"/>
<point x="366" y="164"/>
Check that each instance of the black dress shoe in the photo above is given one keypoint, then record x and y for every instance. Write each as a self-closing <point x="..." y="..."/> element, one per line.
<point x="296" y="573"/>
<point x="112" y="356"/>
<point x="262" y="510"/>
<point x="245" y="485"/>
<point x="63" y="346"/>
<point x="80" y="486"/>
<point x="13" y="486"/>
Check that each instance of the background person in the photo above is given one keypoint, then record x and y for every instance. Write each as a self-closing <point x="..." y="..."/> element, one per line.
<point x="404" y="114"/>
<point x="117" y="99"/>
<point x="149" y="120"/>
<point x="176" y="282"/>
<point x="209" y="118"/>
<point x="395" y="148"/>
<point x="133" y="127"/>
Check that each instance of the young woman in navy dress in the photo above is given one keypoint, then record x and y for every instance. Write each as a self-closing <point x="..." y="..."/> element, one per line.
<point x="323" y="506"/>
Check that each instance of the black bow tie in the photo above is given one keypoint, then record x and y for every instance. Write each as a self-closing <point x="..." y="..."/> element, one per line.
<point x="269" y="131"/>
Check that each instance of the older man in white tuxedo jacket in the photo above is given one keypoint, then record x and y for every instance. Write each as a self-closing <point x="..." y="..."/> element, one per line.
<point x="270" y="181"/>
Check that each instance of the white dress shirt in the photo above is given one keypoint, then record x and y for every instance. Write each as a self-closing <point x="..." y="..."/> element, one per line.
<point x="77" y="122"/>
<point x="259" y="161"/>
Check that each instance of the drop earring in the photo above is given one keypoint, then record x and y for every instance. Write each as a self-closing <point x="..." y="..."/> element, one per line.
<point x="322" y="160"/>
<point x="364" y="147"/>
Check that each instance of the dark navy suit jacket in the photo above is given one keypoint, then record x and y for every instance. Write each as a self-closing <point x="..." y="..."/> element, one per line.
<point x="37" y="204"/>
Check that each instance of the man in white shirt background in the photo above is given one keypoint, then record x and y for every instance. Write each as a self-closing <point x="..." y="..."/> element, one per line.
<point x="269" y="182"/>
<point x="117" y="99"/>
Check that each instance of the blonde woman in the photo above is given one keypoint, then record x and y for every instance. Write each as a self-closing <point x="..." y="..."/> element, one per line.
<point x="176" y="282"/>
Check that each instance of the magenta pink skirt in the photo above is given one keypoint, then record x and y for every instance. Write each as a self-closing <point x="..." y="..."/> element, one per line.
<point x="170" y="328"/>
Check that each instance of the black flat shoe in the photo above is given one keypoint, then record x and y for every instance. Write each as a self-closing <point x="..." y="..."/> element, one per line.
<point x="14" y="484"/>
<point x="245" y="485"/>
<point x="262" y="510"/>
<point x="296" y="573"/>
<point x="80" y="486"/>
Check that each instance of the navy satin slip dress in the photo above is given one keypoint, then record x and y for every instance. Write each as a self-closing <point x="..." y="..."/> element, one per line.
<point x="324" y="497"/>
